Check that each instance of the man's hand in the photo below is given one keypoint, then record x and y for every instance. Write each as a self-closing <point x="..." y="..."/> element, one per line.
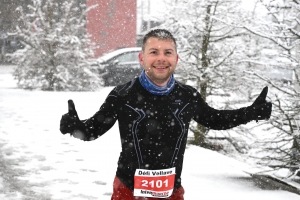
<point x="260" y="109"/>
<point x="70" y="121"/>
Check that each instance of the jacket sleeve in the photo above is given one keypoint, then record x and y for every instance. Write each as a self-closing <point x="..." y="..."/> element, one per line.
<point x="218" y="119"/>
<point x="102" y="120"/>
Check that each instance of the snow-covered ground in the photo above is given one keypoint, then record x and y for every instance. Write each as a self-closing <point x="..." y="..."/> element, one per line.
<point x="37" y="162"/>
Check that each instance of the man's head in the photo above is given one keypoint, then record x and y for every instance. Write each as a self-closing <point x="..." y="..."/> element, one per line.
<point x="159" y="56"/>
<point x="160" y="34"/>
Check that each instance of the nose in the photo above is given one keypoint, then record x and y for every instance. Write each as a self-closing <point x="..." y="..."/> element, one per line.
<point x="161" y="57"/>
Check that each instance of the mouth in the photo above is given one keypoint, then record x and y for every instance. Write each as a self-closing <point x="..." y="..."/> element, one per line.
<point x="161" y="67"/>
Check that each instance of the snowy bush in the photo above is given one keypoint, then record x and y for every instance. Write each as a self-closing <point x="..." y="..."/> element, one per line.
<point x="57" y="47"/>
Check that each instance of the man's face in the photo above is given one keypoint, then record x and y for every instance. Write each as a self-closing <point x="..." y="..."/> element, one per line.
<point x="159" y="60"/>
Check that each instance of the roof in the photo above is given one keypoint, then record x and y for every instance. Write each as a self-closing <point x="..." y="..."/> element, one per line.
<point x="112" y="54"/>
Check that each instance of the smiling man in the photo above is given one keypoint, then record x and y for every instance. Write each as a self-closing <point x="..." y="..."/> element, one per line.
<point x="159" y="58"/>
<point x="154" y="112"/>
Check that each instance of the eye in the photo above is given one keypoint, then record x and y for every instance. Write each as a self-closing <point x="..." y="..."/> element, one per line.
<point x="152" y="52"/>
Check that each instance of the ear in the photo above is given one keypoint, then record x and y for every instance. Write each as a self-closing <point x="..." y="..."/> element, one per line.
<point x="141" y="58"/>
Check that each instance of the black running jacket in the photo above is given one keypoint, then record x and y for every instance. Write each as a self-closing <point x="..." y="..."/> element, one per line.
<point x="153" y="129"/>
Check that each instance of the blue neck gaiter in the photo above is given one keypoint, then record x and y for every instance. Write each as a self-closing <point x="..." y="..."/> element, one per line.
<point x="154" y="89"/>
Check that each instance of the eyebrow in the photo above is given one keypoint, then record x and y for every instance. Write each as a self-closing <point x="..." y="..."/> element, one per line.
<point x="164" y="49"/>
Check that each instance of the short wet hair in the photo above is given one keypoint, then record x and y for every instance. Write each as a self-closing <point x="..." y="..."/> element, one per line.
<point x="161" y="34"/>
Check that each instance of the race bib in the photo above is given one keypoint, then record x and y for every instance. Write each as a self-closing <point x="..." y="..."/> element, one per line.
<point x="154" y="183"/>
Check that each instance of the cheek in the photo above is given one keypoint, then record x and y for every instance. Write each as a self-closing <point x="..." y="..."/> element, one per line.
<point x="173" y="62"/>
<point x="148" y="61"/>
<point x="146" y="64"/>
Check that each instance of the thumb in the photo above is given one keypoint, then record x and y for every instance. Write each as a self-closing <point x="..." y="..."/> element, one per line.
<point x="262" y="97"/>
<point x="71" y="109"/>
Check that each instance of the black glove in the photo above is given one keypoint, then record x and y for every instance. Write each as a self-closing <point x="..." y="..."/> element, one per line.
<point x="260" y="109"/>
<point x="70" y="121"/>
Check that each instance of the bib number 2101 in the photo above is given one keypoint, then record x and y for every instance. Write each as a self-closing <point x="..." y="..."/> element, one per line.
<point x="154" y="183"/>
<point x="157" y="184"/>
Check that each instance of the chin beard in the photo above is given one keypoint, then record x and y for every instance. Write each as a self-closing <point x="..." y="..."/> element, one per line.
<point x="159" y="80"/>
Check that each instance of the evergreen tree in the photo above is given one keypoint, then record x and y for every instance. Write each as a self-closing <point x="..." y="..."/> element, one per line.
<point x="57" y="47"/>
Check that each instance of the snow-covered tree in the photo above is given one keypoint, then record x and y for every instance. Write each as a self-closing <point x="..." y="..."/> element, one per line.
<point x="281" y="27"/>
<point x="57" y="47"/>
<point x="210" y="48"/>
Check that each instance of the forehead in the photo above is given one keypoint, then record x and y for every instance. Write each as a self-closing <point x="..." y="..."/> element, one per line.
<point x="159" y="43"/>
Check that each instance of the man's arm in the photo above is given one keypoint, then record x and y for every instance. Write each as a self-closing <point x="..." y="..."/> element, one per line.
<point x="102" y="120"/>
<point x="92" y="128"/>
<point x="225" y="119"/>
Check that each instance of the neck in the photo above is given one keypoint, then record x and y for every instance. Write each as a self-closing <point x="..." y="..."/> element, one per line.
<point x="159" y="89"/>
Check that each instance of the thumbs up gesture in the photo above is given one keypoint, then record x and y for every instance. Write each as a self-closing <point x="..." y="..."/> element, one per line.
<point x="260" y="109"/>
<point x="70" y="121"/>
<point x="262" y="97"/>
<point x="71" y="110"/>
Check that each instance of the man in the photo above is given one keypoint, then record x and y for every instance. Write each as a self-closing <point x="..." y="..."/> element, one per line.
<point x="154" y="111"/>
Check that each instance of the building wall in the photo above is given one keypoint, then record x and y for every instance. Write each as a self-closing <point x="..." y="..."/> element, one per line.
<point x="112" y="24"/>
